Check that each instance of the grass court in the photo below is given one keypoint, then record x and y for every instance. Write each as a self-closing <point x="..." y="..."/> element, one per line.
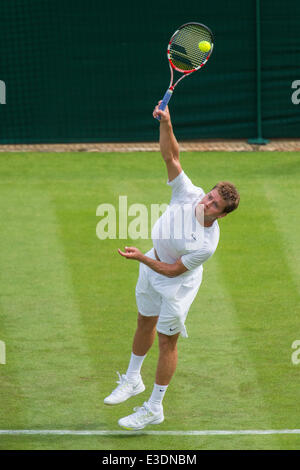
<point x="68" y="312"/>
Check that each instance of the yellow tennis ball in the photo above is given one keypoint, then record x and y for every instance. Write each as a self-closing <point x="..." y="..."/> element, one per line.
<point x="204" y="46"/>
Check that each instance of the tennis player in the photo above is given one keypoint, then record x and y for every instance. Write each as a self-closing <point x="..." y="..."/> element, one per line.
<point x="170" y="274"/>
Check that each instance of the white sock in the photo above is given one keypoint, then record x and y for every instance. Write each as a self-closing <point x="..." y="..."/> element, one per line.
<point x="134" y="368"/>
<point x="157" y="396"/>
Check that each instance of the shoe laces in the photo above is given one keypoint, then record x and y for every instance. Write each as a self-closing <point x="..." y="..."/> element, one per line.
<point x="142" y="412"/>
<point x="122" y="383"/>
<point x="122" y="378"/>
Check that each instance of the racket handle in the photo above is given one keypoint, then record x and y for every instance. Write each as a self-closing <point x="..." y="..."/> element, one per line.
<point x="165" y="101"/>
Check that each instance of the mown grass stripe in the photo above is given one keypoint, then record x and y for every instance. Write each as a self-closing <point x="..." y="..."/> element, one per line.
<point x="259" y="280"/>
<point x="284" y="197"/>
<point x="219" y="364"/>
<point x="46" y="347"/>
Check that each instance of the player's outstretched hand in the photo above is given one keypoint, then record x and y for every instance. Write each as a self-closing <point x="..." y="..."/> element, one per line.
<point x="130" y="253"/>
<point x="164" y="115"/>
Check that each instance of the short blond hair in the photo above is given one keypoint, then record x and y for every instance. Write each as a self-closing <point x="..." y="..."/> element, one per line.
<point x="229" y="194"/>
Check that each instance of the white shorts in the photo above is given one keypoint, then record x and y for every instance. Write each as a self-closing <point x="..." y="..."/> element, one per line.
<point x="167" y="298"/>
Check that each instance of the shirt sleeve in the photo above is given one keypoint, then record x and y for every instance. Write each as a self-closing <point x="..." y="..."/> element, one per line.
<point x="182" y="186"/>
<point x="196" y="258"/>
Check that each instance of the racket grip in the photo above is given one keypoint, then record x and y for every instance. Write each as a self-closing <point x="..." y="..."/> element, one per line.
<point x="165" y="101"/>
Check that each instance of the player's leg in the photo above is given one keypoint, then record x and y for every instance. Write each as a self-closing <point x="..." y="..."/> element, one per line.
<point x="166" y="366"/>
<point x="170" y="324"/>
<point x="167" y="360"/>
<point x="144" y="335"/>
<point x="148" y="303"/>
<point x="131" y="383"/>
<point x="142" y="342"/>
<point x="152" y="411"/>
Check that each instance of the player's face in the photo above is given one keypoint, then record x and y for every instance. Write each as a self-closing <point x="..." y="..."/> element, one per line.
<point x="214" y="205"/>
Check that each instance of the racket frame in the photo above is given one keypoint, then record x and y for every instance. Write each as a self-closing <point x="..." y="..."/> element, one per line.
<point x="184" y="73"/>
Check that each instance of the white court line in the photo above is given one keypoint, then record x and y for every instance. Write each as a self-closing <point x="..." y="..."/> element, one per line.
<point x="63" y="432"/>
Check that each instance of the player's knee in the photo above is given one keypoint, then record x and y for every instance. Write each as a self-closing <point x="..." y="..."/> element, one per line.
<point x="166" y="342"/>
<point x="146" y="324"/>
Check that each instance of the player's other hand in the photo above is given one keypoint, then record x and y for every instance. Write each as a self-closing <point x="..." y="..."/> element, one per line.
<point x="164" y="115"/>
<point x="130" y="253"/>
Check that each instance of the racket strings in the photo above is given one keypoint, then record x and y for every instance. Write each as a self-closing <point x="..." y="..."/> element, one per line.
<point x="184" y="48"/>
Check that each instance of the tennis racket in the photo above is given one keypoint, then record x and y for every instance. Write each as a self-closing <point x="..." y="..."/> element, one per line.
<point x="184" y="54"/>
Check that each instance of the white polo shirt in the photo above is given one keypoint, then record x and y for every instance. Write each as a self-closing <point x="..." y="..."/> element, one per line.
<point x="178" y="234"/>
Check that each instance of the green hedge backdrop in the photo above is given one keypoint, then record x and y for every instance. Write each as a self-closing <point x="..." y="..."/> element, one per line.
<point x="92" y="70"/>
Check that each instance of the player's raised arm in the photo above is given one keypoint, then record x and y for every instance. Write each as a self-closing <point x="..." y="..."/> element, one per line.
<point x="168" y="144"/>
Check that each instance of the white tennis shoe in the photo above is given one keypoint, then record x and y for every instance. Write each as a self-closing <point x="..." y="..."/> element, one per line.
<point x="142" y="417"/>
<point x="124" y="390"/>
